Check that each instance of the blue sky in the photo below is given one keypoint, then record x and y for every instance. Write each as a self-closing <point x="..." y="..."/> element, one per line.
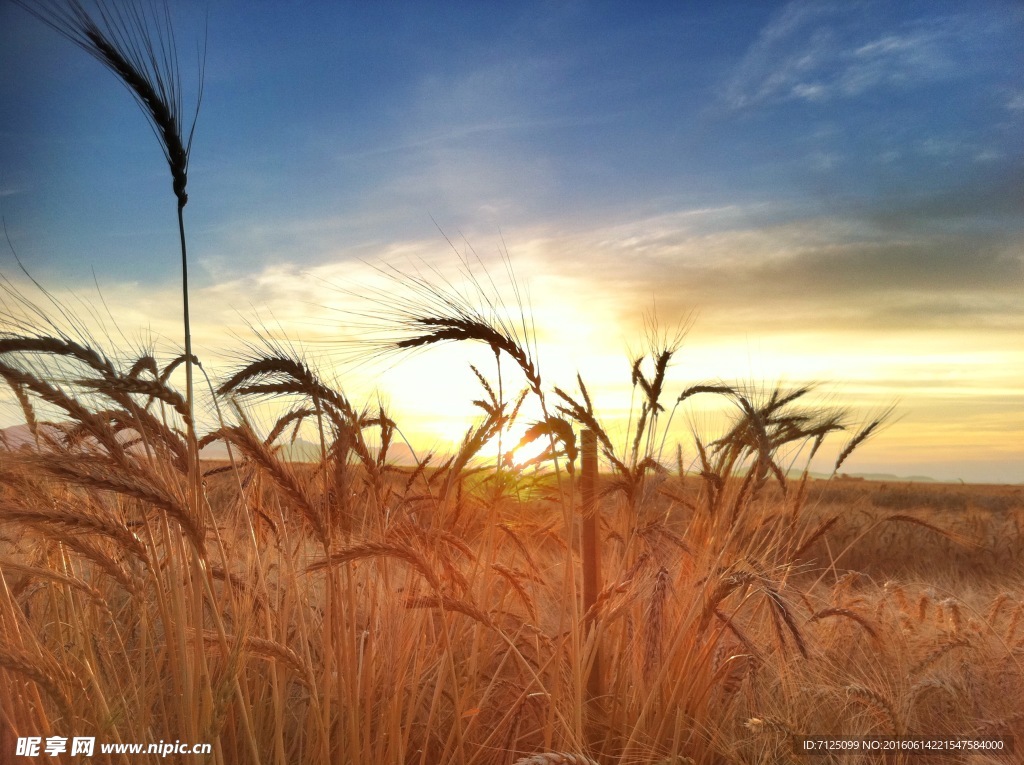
<point x="837" y="189"/>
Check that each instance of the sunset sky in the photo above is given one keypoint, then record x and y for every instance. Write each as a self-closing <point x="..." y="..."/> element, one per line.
<point x="832" y="192"/>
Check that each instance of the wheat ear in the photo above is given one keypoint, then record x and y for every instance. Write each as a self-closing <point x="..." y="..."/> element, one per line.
<point x="876" y="701"/>
<point x="137" y="46"/>
<point x="861" y="436"/>
<point x="848" y="614"/>
<point x="555" y="758"/>
<point x="51" y="679"/>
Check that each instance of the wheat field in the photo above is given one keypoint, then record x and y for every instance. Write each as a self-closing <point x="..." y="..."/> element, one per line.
<point x="351" y="609"/>
<point x="354" y="608"/>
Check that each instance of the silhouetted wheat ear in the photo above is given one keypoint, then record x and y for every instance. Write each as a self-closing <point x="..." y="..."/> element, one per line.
<point x="276" y="375"/>
<point x="861" y="436"/>
<point x="57" y="346"/>
<point x="253" y="447"/>
<point x="137" y="46"/>
<point x="136" y="43"/>
<point x="156" y="108"/>
<point x="447" y="329"/>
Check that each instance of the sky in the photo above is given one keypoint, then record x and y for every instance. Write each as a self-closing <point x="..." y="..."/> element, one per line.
<point x="827" y="192"/>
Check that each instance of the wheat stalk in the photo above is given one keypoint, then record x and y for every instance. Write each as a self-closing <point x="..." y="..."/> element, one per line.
<point x="252" y="447"/>
<point x="8" y="566"/>
<point x="137" y="46"/>
<point x="458" y="605"/>
<point x="93" y="552"/>
<point x="145" y="486"/>
<point x="267" y="649"/>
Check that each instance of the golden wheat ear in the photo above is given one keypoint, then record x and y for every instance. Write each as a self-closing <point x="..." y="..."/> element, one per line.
<point x="555" y="758"/>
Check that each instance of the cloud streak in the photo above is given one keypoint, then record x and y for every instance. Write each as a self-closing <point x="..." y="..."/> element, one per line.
<point x="834" y="272"/>
<point x="819" y="52"/>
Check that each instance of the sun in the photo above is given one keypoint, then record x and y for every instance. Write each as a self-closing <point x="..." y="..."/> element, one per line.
<point x="522" y="455"/>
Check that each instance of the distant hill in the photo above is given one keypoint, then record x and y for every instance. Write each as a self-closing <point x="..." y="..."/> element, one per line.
<point x="16" y="437"/>
<point x="892" y="477"/>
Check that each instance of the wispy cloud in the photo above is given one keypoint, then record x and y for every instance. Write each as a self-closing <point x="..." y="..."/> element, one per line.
<point x="830" y="272"/>
<point x="818" y="52"/>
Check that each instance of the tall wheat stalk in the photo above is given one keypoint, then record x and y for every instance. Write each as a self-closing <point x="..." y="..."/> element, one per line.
<point x="136" y="43"/>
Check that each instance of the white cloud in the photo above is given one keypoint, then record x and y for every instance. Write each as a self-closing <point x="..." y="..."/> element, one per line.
<point x="821" y="51"/>
<point x="810" y="92"/>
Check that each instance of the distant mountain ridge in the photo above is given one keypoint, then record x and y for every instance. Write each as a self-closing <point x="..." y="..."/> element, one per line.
<point x="893" y="477"/>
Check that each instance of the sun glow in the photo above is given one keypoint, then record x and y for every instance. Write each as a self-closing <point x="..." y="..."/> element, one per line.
<point x="521" y="456"/>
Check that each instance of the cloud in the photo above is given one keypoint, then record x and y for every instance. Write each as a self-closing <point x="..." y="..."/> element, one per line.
<point x="991" y="201"/>
<point x="773" y="67"/>
<point x="809" y="298"/>
<point x="827" y="273"/>
<point x="819" y="52"/>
